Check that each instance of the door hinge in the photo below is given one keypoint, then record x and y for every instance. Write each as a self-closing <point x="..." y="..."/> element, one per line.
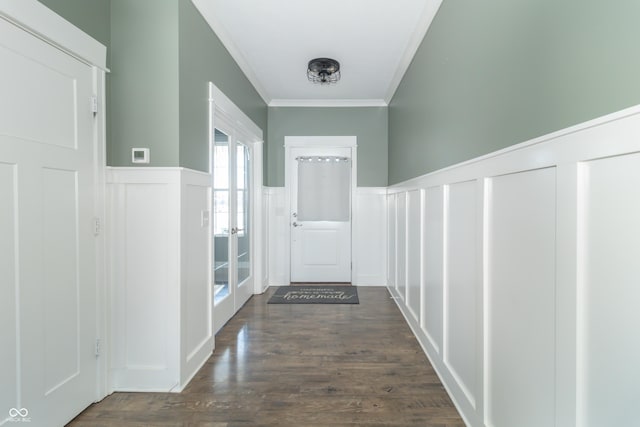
<point x="97" y="348"/>
<point x="96" y="226"/>
<point x="94" y="105"/>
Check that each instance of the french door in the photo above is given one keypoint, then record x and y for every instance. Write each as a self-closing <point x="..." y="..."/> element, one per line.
<point x="232" y="274"/>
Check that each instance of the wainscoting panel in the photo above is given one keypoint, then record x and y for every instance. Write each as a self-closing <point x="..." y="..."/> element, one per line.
<point x="148" y="284"/>
<point x="197" y="326"/>
<point x="264" y="244"/>
<point x="520" y="292"/>
<point x="8" y="286"/>
<point x="159" y="277"/>
<point x="278" y="240"/>
<point x="462" y="287"/>
<point x="401" y="246"/>
<point x="414" y="252"/>
<point x="145" y="287"/>
<point x="392" y="236"/>
<point x="433" y="265"/>
<point x="370" y="237"/>
<point x="196" y="281"/>
<point x="530" y="274"/>
<point x="609" y="292"/>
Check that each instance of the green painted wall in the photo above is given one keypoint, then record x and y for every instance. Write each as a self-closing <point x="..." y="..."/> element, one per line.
<point x="369" y="124"/>
<point x="203" y="58"/>
<point x="144" y="81"/>
<point x="94" y="18"/>
<point x="162" y="54"/>
<point x="91" y="16"/>
<point x="496" y="73"/>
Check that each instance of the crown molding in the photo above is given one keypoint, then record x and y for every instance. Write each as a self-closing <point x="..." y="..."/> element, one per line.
<point x="429" y="12"/>
<point x="328" y="103"/>
<point x="206" y="10"/>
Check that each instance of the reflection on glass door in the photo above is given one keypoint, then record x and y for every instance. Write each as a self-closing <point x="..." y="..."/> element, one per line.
<point x="221" y="225"/>
<point x="243" y="223"/>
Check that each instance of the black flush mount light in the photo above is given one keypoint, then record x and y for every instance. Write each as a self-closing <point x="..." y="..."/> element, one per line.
<point x="323" y="71"/>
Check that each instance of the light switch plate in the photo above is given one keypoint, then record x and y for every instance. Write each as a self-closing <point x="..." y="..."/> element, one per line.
<point x="204" y="222"/>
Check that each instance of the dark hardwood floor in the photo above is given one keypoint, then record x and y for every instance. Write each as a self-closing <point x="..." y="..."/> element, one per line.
<point x="303" y="366"/>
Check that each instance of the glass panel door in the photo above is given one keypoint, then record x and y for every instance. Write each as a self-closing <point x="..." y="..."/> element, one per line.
<point x="243" y="201"/>
<point x="221" y="217"/>
<point x="232" y="239"/>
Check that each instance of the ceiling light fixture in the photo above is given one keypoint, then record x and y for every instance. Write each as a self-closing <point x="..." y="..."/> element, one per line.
<point x="323" y="71"/>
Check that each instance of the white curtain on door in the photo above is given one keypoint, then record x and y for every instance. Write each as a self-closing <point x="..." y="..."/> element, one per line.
<point x="324" y="185"/>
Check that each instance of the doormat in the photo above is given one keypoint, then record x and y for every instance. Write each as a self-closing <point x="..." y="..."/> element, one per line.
<point x="315" y="295"/>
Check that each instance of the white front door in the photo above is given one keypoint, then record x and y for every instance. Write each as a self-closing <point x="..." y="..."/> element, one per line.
<point x="320" y="217"/>
<point x="47" y="245"/>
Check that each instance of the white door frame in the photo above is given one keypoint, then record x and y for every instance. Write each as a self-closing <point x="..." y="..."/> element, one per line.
<point x="222" y="110"/>
<point x="323" y="142"/>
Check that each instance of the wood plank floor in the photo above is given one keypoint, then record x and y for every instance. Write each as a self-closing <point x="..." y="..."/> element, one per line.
<point x="303" y="366"/>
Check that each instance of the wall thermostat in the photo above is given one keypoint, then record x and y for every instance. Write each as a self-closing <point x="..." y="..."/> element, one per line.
<point x="140" y="155"/>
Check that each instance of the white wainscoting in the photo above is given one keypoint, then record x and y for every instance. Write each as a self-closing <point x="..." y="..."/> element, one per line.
<point x="520" y="298"/>
<point x="529" y="275"/>
<point x="414" y="244"/>
<point x="370" y="237"/>
<point x="433" y="264"/>
<point x="9" y="326"/>
<point x="461" y="287"/>
<point x="401" y="245"/>
<point x="160" y="293"/>
<point x="277" y="240"/>
<point x="609" y="291"/>
<point x="369" y="243"/>
<point x="391" y="240"/>
<point x="263" y="283"/>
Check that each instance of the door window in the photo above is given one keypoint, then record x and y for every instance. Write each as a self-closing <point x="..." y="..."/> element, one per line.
<point x="324" y="185"/>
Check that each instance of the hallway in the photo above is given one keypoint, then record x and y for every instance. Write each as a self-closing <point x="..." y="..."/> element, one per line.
<point x="300" y="365"/>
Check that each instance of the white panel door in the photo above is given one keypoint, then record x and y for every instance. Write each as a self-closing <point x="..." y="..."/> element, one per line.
<point x="47" y="155"/>
<point x="321" y="215"/>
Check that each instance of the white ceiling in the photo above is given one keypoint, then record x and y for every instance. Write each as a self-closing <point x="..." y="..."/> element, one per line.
<point x="273" y="40"/>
